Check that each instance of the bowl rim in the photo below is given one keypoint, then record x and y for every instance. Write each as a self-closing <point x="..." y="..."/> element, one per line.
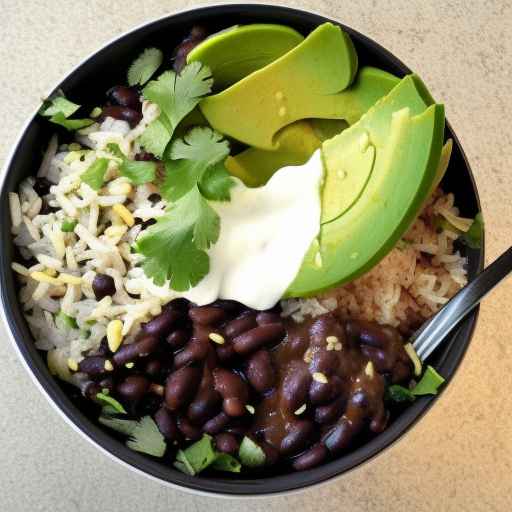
<point x="132" y="460"/>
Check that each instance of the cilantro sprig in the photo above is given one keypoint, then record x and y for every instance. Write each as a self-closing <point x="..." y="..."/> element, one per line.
<point x="138" y="172"/>
<point x="144" y="66"/>
<point x="176" y="95"/>
<point x="58" y="109"/>
<point x="175" y="247"/>
<point x="428" y="385"/>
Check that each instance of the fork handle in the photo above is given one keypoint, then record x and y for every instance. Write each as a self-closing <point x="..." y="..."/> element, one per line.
<point x="427" y="338"/>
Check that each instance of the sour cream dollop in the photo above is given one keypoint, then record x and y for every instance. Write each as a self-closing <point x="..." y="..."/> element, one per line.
<point x="264" y="234"/>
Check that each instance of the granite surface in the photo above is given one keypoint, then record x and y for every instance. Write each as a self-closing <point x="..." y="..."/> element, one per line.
<point x="460" y="456"/>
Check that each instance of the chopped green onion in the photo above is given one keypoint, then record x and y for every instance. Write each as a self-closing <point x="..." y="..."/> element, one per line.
<point x="104" y="397"/>
<point x="250" y="454"/>
<point x="68" y="225"/>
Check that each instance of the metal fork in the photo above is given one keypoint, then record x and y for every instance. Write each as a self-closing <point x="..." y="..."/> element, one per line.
<point x="428" y="337"/>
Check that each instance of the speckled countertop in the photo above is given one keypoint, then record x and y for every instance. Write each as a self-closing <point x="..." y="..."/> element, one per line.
<point x="460" y="456"/>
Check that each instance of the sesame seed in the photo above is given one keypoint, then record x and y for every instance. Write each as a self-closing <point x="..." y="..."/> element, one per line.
<point x="129" y="365"/>
<point x="114" y="334"/>
<point x="369" y="370"/>
<point x="338" y="347"/>
<point x="282" y="111"/>
<point x="331" y="339"/>
<point x="250" y="408"/>
<point x="216" y="338"/>
<point x="320" y="377"/>
<point x="300" y="410"/>
<point x="109" y="366"/>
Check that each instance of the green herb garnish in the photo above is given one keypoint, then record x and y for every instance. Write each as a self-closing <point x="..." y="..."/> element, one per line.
<point x="94" y="176"/>
<point x="144" y="435"/>
<point x="107" y="399"/>
<point x="473" y="236"/>
<point x="250" y="454"/>
<point x="138" y="172"/>
<point x="197" y="159"/>
<point x="144" y="66"/>
<point x="65" y="322"/>
<point x="428" y="385"/>
<point x="226" y="462"/>
<point x="202" y="454"/>
<point x="174" y="247"/>
<point x="196" y="457"/>
<point x="68" y="225"/>
<point x="58" y="109"/>
<point x="176" y="95"/>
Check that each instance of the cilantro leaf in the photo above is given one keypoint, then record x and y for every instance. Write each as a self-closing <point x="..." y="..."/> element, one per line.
<point x="122" y="426"/>
<point x="58" y="109"/>
<point x="251" y="454"/>
<point x="138" y="172"/>
<point x="429" y="383"/>
<point x="200" y="149"/>
<point x="473" y="236"/>
<point x="104" y="397"/>
<point x="59" y="104"/>
<point x="174" y="246"/>
<point x="176" y="95"/>
<point x="144" y="66"/>
<point x="202" y="454"/>
<point x="146" y="438"/>
<point x="157" y="135"/>
<point x="197" y="457"/>
<point x="216" y="183"/>
<point x="226" y="462"/>
<point x="94" y="176"/>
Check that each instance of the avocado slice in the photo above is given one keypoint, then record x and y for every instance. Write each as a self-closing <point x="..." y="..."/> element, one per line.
<point x="296" y="86"/>
<point x="296" y="142"/>
<point x="407" y="135"/>
<point x="234" y="53"/>
<point x="295" y="145"/>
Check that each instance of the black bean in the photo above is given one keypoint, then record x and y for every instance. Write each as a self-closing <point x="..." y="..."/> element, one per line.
<point x="216" y="424"/>
<point x="298" y="437"/>
<point x="258" y="337"/>
<point x="240" y="325"/>
<point x="367" y="333"/>
<point x="206" y="315"/>
<point x="340" y="436"/>
<point x="260" y="371"/>
<point x="133" y="388"/>
<point x="206" y="403"/>
<point x="166" y="424"/>
<point x="103" y="286"/>
<point x="225" y="352"/>
<point x="271" y="453"/>
<point x="310" y="458"/>
<point x="42" y="186"/>
<point x="125" y="97"/>
<point x="194" y="351"/>
<point x="178" y="338"/>
<point x="227" y="443"/>
<point x="161" y="325"/>
<point x="153" y="368"/>
<point x="295" y="388"/>
<point x="179" y="58"/>
<point x="268" y="317"/>
<point x="131" y="116"/>
<point x="325" y="361"/>
<point x="181" y="387"/>
<point x="189" y="431"/>
<point x="93" y="365"/>
<point x="233" y="390"/>
<point x="141" y="348"/>
<point x="329" y="413"/>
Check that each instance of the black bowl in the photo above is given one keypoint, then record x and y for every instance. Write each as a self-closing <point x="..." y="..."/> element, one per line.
<point x="110" y="63"/>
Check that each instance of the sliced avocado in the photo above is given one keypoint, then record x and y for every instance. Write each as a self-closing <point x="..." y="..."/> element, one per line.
<point x="349" y="163"/>
<point x="407" y="135"/>
<point x="298" y="85"/>
<point x="327" y="128"/>
<point x="295" y="145"/>
<point x="296" y="142"/>
<point x="234" y="53"/>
